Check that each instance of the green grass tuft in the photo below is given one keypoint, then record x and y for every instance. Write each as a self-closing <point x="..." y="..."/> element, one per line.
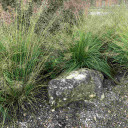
<point x="85" y="52"/>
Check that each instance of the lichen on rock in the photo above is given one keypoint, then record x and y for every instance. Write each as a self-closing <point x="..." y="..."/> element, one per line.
<point x="82" y="84"/>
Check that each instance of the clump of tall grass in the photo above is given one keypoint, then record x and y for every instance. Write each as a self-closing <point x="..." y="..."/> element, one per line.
<point x="85" y="52"/>
<point x="118" y="44"/>
<point x="22" y="56"/>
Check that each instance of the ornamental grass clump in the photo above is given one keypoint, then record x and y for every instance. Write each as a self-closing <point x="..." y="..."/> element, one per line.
<point x="85" y="52"/>
<point x="117" y="46"/>
<point x="22" y="57"/>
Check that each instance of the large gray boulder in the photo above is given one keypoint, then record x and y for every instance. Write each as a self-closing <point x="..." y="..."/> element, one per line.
<point x="82" y="84"/>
